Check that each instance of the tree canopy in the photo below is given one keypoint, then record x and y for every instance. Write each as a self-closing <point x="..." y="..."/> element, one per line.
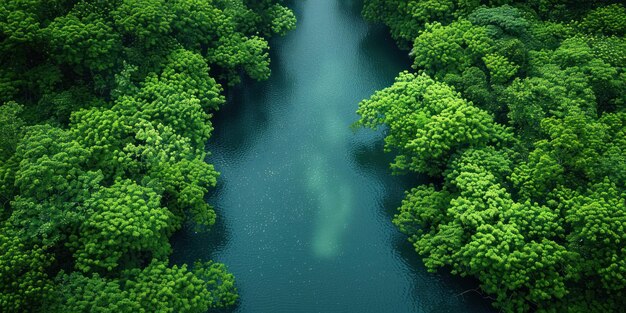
<point x="105" y="110"/>
<point x="517" y="109"/>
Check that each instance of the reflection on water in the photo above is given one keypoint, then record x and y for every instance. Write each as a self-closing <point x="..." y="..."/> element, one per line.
<point x="333" y="211"/>
<point x="304" y="203"/>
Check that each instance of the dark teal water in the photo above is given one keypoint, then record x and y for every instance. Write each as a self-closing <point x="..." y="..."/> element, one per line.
<point x="304" y="203"/>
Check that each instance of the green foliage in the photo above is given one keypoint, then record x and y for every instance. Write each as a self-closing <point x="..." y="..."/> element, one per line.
<point x="219" y="282"/>
<point x="505" y="18"/>
<point x="597" y="219"/>
<point x="51" y="184"/>
<point x="408" y="18"/>
<point x="20" y="20"/>
<point x="83" y="41"/>
<point x="11" y="125"/>
<point x="146" y="20"/>
<point x="396" y="15"/>
<point x="236" y="51"/>
<point x="103" y="157"/>
<point x="24" y="284"/>
<point x="428" y="122"/>
<point x="160" y="288"/>
<point x="607" y="20"/>
<point x="283" y="19"/>
<point x="450" y="49"/>
<point x="500" y="69"/>
<point x="79" y="293"/>
<point x="198" y="23"/>
<point x="124" y="219"/>
<point x="531" y="166"/>
<point x="156" y="288"/>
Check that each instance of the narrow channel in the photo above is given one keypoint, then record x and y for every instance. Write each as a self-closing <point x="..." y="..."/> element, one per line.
<point x="305" y="203"/>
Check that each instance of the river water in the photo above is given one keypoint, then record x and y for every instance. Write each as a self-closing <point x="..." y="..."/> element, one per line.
<point x="304" y="203"/>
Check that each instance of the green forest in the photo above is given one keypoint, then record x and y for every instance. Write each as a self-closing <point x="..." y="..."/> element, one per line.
<point x="509" y="122"/>
<point x="516" y="110"/>
<point x="106" y="109"/>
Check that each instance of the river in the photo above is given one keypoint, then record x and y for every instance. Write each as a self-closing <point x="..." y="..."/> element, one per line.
<point x="304" y="203"/>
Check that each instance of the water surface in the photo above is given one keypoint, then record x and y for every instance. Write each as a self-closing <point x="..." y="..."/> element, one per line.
<point x="304" y="203"/>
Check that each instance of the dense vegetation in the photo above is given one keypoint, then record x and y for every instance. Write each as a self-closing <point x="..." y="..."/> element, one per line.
<point x="517" y="109"/>
<point x="105" y="111"/>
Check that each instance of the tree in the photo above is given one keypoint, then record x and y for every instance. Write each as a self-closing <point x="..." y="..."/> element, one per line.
<point x="103" y="158"/>
<point x="597" y="218"/>
<point x="84" y="41"/>
<point x="11" y="126"/>
<point x="52" y="184"/>
<point x="428" y="123"/>
<point x="24" y="282"/>
<point x="528" y="200"/>
<point x="176" y="289"/>
<point x="125" y="220"/>
<point x="79" y="293"/>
